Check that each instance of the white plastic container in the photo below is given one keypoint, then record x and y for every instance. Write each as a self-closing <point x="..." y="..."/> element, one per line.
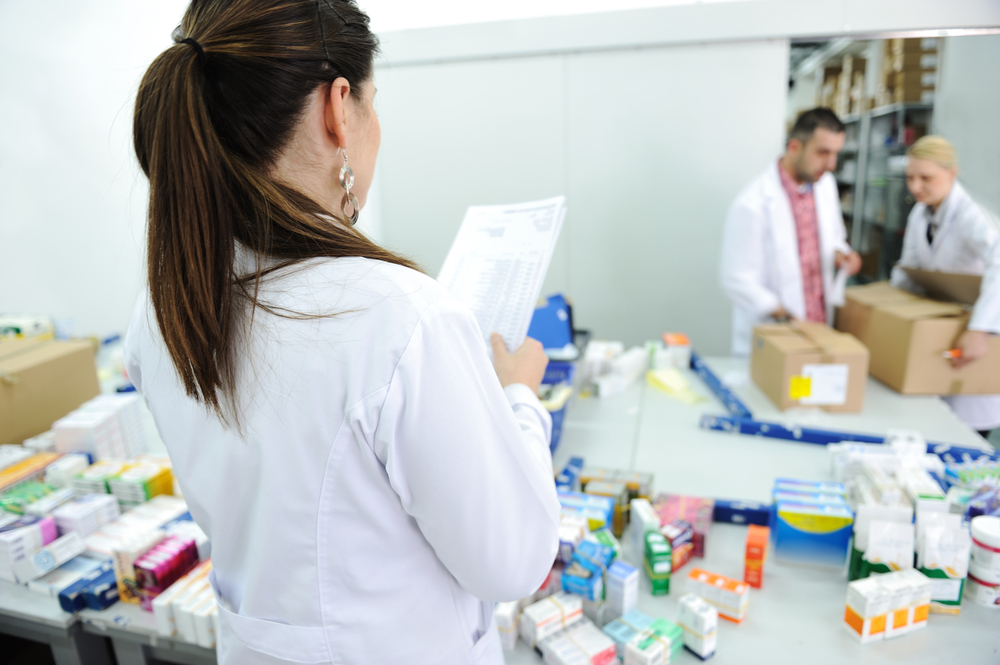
<point x="982" y="593"/>
<point x="984" y="563"/>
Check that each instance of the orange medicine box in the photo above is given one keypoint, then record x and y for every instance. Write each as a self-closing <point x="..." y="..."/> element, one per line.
<point x="756" y="554"/>
<point x="730" y="597"/>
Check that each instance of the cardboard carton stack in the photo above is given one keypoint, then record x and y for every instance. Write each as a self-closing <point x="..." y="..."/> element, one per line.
<point x="909" y="71"/>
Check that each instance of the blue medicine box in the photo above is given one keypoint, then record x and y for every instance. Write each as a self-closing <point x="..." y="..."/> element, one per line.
<point x="742" y="512"/>
<point x="816" y="534"/>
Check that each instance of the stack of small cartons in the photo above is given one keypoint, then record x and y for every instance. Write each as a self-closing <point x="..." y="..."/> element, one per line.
<point x="909" y="71"/>
<point x="885" y="606"/>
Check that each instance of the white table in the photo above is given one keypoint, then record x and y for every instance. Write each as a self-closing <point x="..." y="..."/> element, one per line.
<point x="797" y="616"/>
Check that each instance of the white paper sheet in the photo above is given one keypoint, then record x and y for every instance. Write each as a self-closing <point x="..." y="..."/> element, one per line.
<point x="498" y="262"/>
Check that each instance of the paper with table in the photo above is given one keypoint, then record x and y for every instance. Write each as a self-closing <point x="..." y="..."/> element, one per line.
<point x="498" y="262"/>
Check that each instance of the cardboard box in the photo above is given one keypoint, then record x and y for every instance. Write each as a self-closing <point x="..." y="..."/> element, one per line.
<point x="916" y="80"/>
<point x="809" y="364"/>
<point x="40" y="382"/>
<point x="908" y="62"/>
<point x="907" y="336"/>
<point x="914" y="45"/>
<point x="913" y="95"/>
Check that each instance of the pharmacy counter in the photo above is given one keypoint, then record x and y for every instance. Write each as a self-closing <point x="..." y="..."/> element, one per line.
<point x="797" y="615"/>
<point x="132" y="632"/>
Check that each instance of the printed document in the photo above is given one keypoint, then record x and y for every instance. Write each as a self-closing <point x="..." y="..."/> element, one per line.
<point x="498" y="262"/>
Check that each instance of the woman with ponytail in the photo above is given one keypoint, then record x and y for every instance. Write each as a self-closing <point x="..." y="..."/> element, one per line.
<point x="370" y="483"/>
<point x="948" y="232"/>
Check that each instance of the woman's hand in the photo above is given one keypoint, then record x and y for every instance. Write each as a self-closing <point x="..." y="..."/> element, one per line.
<point x="526" y="365"/>
<point x="973" y="345"/>
<point x="849" y="262"/>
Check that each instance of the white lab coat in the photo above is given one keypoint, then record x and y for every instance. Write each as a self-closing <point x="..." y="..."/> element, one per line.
<point x="966" y="241"/>
<point x="760" y="267"/>
<point x="384" y="493"/>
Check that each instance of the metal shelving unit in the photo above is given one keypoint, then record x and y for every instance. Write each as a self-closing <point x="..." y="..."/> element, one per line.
<point x="881" y="201"/>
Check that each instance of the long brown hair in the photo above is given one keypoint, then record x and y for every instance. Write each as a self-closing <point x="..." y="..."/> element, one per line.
<point x="212" y="116"/>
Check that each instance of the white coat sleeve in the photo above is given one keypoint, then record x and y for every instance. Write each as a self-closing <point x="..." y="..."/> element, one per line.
<point x="743" y="267"/>
<point x="984" y="239"/>
<point x="473" y="472"/>
<point x="898" y="277"/>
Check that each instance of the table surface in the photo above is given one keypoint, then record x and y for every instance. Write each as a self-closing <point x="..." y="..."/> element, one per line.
<point x="798" y="614"/>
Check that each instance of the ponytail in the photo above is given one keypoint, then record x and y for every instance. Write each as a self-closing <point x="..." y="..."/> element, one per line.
<point x="212" y="114"/>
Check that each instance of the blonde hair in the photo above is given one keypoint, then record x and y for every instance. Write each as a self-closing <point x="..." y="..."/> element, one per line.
<point x="935" y="149"/>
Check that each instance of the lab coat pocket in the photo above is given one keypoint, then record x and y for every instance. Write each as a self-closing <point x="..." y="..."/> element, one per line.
<point x="487" y="650"/>
<point x="257" y="637"/>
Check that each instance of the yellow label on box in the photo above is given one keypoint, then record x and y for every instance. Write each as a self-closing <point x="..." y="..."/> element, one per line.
<point x="799" y="387"/>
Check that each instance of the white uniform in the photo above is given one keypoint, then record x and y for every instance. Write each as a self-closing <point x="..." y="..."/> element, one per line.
<point x="966" y="241"/>
<point x="384" y="493"/>
<point x="760" y="267"/>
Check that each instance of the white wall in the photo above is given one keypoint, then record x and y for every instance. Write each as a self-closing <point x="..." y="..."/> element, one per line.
<point x="649" y="146"/>
<point x="966" y="112"/>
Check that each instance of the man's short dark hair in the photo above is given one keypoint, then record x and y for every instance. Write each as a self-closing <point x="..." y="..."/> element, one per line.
<point x="808" y="121"/>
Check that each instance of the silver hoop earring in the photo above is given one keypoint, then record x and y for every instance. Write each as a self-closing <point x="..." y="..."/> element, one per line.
<point x="347" y="181"/>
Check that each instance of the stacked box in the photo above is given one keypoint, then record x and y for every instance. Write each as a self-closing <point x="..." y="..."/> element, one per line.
<point x="94" y="432"/>
<point x="73" y="597"/>
<point x="700" y="622"/>
<point x="193" y="618"/>
<point x="657" y="563"/>
<point x="812" y="534"/>
<point x="42" y="443"/>
<point x="661" y="642"/>
<point x="568" y="479"/>
<point x="62" y="471"/>
<point x="679" y="534"/>
<point x="48" y="503"/>
<point x="618" y="493"/>
<point x="48" y="558"/>
<point x="866" y="611"/>
<point x="643" y="519"/>
<point x="730" y="597"/>
<point x="549" y="616"/>
<point x="756" y="554"/>
<point x="94" y="479"/>
<point x="582" y="643"/>
<point x="140" y="483"/>
<point x="583" y="582"/>
<point x="21" y="538"/>
<point x="506" y="615"/>
<point x="25" y="471"/>
<point x="606" y="538"/>
<point x="625" y="627"/>
<point x="622" y="589"/>
<point x="17" y="499"/>
<point x="86" y="514"/>
<point x="125" y="554"/>
<point x="597" y="510"/>
<point x="56" y="581"/>
<point x="899" y="592"/>
<point x="188" y="530"/>
<point x="572" y="529"/>
<point x="163" y="565"/>
<point x="696" y="511"/>
<point x="11" y="454"/>
<point x="127" y="411"/>
<point x="179" y="593"/>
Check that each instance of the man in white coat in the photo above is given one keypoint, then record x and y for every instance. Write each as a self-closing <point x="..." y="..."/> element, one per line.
<point x="784" y="234"/>
<point x="948" y="232"/>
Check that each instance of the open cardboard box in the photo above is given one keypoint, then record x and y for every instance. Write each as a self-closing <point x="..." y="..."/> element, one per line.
<point x="809" y="364"/>
<point x="40" y="382"/>
<point x="908" y="335"/>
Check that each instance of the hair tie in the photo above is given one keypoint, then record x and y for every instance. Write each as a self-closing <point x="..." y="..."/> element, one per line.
<point x="201" y="52"/>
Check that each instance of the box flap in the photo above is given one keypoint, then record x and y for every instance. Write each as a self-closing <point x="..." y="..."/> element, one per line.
<point x="949" y="286"/>
<point x="924" y="309"/>
<point x="878" y="293"/>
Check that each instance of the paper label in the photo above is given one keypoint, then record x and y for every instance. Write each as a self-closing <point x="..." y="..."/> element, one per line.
<point x="946" y="590"/>
<point x="827" y="385"/>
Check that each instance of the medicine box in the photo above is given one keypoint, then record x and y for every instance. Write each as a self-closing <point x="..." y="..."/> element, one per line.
<point x="660" y="642"/>
<point x="730" y="597"/>
<point x="816" y="535"/>
<point x="627" y="626"/>
<point x="755" y="555"/>
<point x="549" y="616"/>
<point x="700" y="622"/>
<point x="742" y="512"/>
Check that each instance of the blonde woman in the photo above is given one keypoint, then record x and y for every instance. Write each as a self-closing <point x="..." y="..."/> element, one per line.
<point x="947" y="231"/>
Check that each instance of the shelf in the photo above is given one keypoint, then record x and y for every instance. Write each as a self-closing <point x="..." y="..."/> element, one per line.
<point x="895" y="108"/>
